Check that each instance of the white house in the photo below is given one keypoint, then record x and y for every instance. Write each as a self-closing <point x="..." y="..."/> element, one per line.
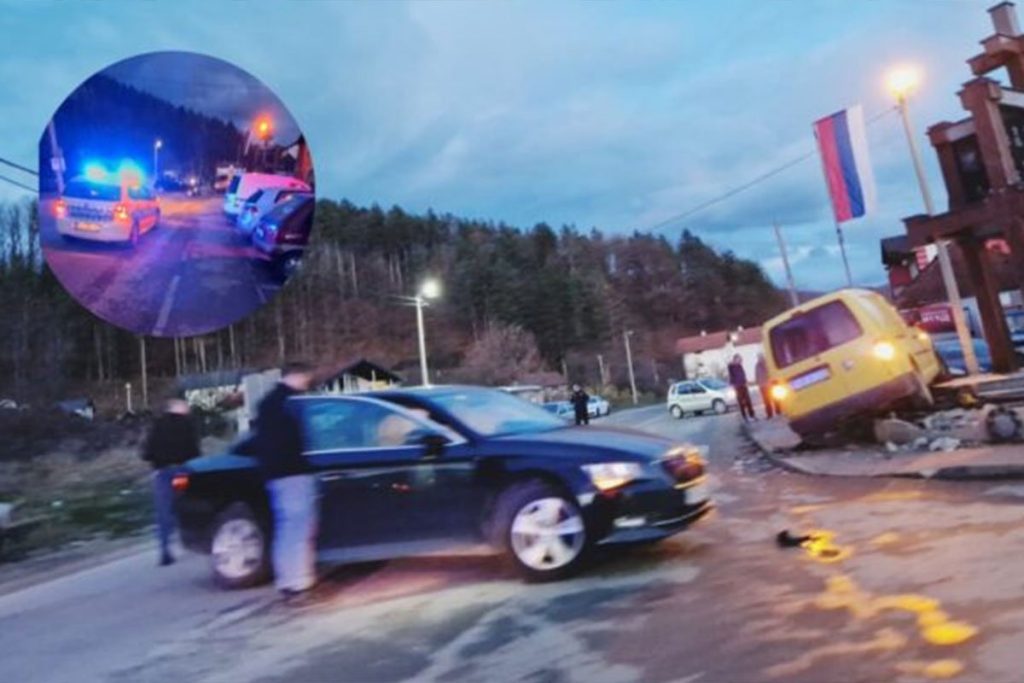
<point x="708" y="354"/>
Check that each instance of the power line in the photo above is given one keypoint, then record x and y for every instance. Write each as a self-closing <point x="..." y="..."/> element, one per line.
<point x="25" y="169"/>
<point x="18" y="184"/>
<point x="761" y="178"/>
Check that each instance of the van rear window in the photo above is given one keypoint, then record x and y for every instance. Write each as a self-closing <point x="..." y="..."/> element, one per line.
<point x="83" y="189"/>
<point x="816" y="331"/>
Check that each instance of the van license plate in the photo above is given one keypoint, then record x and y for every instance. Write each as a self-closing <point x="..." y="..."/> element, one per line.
<point x="813" y="377"/>
<point x="86" y="226"/>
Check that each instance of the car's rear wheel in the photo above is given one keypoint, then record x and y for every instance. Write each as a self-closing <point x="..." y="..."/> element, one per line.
<point x="239" y="548"/>
<point x="677" y="412"/>
<point x="541" y="531"/>
<point x="719" y="406"/>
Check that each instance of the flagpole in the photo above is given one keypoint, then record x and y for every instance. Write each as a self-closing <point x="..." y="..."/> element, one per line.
<point x="839" y="229"/>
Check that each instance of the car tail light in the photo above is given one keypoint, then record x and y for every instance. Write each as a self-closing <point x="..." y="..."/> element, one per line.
<point x="884" y="350"/>
<point x="179" y="482"/>
<point x="60" y="209"/>
<point x="120" y="212"/>
<point x="685" y="465"/>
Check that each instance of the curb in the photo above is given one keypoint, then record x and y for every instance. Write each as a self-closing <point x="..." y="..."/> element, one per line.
<point x="952" y="473"/>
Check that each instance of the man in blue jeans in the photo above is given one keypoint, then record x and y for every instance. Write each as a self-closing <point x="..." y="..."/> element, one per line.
<point x="172" y="441"/>
<point x="278" y="446"/>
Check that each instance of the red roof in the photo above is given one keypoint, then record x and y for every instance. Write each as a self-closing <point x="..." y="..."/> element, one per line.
<point x="717" y="340"/>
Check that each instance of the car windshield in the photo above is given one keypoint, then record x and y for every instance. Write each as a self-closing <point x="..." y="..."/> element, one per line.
<point x="714" y="384"/>
<point x="254" y="197"/>
<point x="495" y="413"/>
<point x="83" y="189"/>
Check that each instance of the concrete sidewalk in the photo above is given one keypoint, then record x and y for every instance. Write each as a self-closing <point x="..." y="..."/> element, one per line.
<point x="778" y="443"/>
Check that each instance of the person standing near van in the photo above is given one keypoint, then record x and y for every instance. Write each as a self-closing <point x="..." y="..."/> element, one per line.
<point x="738" y="380"/>
<point x="278" y="445"/>
<point x="761" y="376"/>
<point x="171" y="441"/>
<point x="580" y="404"/>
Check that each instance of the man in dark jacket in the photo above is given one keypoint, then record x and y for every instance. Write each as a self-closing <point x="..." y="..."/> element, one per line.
<point x="172" y="440"/>
<point x="738" y="380"/>
<point x="278" y="445"/>
<point x="580" y="404"/>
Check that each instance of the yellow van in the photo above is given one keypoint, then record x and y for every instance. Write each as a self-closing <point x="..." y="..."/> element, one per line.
<point x="845" y="354"/>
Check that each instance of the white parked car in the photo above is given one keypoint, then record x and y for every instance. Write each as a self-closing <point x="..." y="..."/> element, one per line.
<point x="700" y="396"/>
<point x="598" y="407"/>
<point x="114" y="207"/>
<point x="244" y="185"/>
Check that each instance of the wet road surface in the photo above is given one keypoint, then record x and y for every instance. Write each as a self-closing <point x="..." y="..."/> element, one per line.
<point x="194" y="273"/>
<point x="919" y="581"/>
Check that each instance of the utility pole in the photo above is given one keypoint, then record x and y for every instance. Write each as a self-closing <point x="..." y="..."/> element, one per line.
<point x="629" y="363"/>
<point x="57" y="160"/>
<point x="145" y="379"/>
<point x="424" y="378"/>
<point x="793" y="298"/>
<point x="600" y="367"/>
<point x="945" y="264"/>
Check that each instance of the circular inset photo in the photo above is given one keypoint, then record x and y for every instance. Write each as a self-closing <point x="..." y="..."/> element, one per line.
<point x="176" y="194"/>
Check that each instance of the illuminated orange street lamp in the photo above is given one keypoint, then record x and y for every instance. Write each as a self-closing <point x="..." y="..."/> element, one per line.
<point x="264" y="127"/>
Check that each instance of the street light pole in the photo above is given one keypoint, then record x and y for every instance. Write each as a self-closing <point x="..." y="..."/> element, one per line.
<point x="629" y="363"/>
<point x="157" y="144"/>
<point x="793" y="298"/>
<point x="425" y="379"/>
<point x="945" y="263"/>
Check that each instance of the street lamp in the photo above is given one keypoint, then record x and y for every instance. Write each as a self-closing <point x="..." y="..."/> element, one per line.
<point x="430" y="289"/>
<point x="902" y="82"/>
<point x="157" y="144"/>
<point x="626" y="334"/>
<point x="264" y="128"/>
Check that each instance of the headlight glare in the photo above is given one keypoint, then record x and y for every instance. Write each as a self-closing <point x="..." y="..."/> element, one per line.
<point x="612" y="475"/>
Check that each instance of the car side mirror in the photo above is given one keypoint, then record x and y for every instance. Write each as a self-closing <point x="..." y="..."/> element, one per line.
<point x="433" y="444"/>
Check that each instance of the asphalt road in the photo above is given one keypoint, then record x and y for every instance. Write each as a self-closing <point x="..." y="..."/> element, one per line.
<point x="193" y="274"/>
<point x="920" y="580"/>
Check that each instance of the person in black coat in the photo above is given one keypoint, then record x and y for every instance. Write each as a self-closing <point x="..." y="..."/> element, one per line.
<point x="580" y="404"/>
<point x="738" y="380"/>
<point x="172" y="441"/>
<point x="278" y="446"/>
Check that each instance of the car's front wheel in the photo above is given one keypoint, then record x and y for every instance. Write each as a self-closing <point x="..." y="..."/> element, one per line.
<point x="239" y="548"/>
<point x="541" y="531"/>
<point x="677" y="412"/>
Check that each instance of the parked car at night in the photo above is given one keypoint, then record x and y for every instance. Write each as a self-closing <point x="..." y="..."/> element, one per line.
<point x="243" y="185"/>
<point x="282" y="234"/>
<point x="408" y="472"/>
<point x="103" y="207"/>
<point x="259" y="204"/>
<point x="845" y="355"/>
<point x="598" y="407"/>
<point x="698" y="396"/>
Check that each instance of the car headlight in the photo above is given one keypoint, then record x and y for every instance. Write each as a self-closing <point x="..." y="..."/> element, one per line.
<point x="611" y="475"/>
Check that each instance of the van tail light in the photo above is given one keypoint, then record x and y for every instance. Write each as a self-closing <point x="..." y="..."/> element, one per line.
<point x="60" y="209"/>
<point x="120" y="212"/>
<point x="884" y="350"/>
<point x="780" y="391"/>
<point x="179" y="482"/>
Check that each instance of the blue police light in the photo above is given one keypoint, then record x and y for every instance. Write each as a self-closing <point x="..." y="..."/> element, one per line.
<point x="95" y="172"/>
<point x="130" y="173"/>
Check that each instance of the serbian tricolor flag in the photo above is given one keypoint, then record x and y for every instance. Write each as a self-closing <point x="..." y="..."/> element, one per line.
<point x="843" y="143"/>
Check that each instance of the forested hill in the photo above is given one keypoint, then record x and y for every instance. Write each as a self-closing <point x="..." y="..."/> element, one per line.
<point x="107" y="121"/>
<point x="516" y="302"/>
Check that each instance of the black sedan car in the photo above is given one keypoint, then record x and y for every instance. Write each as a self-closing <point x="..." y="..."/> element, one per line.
<point x="408" y="472"/>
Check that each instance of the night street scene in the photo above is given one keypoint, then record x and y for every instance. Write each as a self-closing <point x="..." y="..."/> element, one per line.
<point x="655" y="342"/>
<point x="148" y="169"/>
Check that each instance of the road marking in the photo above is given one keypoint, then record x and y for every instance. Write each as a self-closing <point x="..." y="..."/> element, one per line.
<point x="165" y="310"/>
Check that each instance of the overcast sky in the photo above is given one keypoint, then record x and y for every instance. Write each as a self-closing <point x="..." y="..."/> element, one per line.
<point x="607" y="115"/>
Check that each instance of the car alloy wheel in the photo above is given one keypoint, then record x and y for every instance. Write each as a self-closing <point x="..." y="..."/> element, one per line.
<point x="719" y="406"/>
<point x="547" y="534"/>
<point x="238" y="549"/>
<point x="677" y="412"/>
